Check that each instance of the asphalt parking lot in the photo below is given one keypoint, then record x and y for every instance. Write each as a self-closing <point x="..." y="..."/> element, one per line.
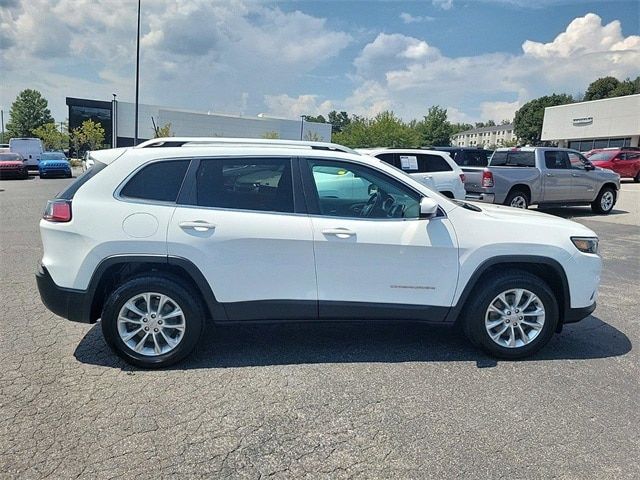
<point x="319" y="401"/>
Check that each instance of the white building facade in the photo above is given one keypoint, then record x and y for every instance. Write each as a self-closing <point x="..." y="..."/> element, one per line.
<point x="485" y="137"/>
<point x="610" y="122"/>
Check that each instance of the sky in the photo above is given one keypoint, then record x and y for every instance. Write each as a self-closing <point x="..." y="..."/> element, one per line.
<point x="480" y="59"/>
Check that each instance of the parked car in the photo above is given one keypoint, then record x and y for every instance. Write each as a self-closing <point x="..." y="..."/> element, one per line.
<point x="625" y="162"/>
<point x="467" y="156"/>
<point x="54" y="164"/>
<point x="12" y="165"/>
<point x="4" y="148"/>
<point x="433" y="168"/>
<point x="547" y="176"/>
<point x="158" y="242"/>
<point x="29" y="148"/>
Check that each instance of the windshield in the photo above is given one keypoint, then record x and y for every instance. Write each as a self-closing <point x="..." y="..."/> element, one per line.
<point x="53" y="156"/>
<point x="601" y="156"/>
<point x="9" y="157"/>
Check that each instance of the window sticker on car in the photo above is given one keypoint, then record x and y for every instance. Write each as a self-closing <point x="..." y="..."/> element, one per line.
<point x="409" y="162"/>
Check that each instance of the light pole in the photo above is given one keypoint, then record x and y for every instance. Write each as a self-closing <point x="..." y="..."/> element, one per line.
<point x="301" y="125"/>
<point x="135" y="133"/>
<point x="2" y="121"/>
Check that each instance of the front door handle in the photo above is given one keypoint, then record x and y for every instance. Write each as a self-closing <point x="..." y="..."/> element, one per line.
<point x="198" y="226"/>
<point x="575" y="175"/>
<point x="339" y="232"/>
<point x="549" y="174"/>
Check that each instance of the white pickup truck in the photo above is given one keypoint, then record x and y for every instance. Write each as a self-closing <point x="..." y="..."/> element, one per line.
<point x="546" y="176"/>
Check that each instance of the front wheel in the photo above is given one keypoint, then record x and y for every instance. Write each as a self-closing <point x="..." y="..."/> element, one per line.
<point x="511" y="316"/>
<point x="517" y="199"/>
<point x="152" y="321"/>
<point x="605" y="201"/>
<point x="637" y="177"/>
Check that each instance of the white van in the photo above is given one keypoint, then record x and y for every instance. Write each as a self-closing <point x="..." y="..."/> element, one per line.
<point x="30" y="149"/>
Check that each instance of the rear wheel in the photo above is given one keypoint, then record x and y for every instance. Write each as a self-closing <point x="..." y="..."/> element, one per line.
<point x="512" y="316"/>
<point x="605" y="201"/>
<point x="152" y="321"/>
<point x="517" y="199"/>
<point x="637" y="177"/>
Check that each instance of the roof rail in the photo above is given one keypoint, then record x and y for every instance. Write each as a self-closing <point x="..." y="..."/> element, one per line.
<point x="208" y="141"/>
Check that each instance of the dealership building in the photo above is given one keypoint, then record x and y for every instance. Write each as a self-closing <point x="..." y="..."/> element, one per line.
<point x="117" y="119"/>
<point x="610" y="122"/>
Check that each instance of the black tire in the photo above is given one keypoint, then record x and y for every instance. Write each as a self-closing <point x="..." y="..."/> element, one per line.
<point x="517" y="196"/>
<point x="473" y="321"/>
<point x="637" y="177"/>
<point x="194" y="319"/>
<point x="597" y="206"/>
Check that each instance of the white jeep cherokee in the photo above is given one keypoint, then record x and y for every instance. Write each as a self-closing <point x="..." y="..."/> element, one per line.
<point x="161" y="239"/>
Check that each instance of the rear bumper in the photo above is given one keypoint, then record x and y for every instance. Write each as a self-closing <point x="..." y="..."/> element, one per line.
<point x="64" y="302"/>
<point x="481" y="197"/>
<point x="574" y="315"/>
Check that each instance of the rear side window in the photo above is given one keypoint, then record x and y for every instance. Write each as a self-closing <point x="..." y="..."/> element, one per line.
<point x="432" y="163"/>
<point x="159" y="181"/>
<point x="513" y="159"/>
<point x="471" y="158"/>
<point x="263" y="184"/>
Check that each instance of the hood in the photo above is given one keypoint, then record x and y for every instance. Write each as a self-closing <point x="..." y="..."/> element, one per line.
<point x="532" y="219"/>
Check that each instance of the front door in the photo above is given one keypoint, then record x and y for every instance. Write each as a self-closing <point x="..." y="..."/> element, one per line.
<point x="375" y="258"/>
<point x="241" y="229"/>
<point x="584" y="183"/>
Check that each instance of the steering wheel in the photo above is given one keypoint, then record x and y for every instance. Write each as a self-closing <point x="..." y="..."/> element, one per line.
<point x="375" y="201"/>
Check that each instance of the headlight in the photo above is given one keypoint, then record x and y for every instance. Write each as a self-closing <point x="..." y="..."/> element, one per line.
<point x="586" y="244"/>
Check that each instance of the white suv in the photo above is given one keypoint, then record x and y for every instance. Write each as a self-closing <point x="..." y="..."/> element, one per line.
<point x="162" y="239"/>
<point x="435" y="169"/>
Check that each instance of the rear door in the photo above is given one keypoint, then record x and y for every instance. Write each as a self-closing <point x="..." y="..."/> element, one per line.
<point x="240" y="222"/>
<point x="557" y="177"/>
<point x="629" y="164"/>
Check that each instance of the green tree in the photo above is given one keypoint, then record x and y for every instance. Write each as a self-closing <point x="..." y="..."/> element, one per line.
<point x="384" y="130"/>
<point x="88" y="136"/>
<point x="601" y="88"/>
<point x="164" y="131"/>
<point x="272" y="135"/>
<point x="51" y="136"/>
<point x="313" y="136"/>
<point x="338" y="121"/>
<point x="28" y="112"/>
<point x="318" y="119"/>
<point x="626" y="87"/>
<point x="528" y="119"/>
<point x="434" y="128"/>
<point x="460" y="127"/>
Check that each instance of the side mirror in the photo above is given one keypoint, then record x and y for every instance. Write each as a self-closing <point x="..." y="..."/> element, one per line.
<point x="589" y="166"/>
<point x="428" y="207"/>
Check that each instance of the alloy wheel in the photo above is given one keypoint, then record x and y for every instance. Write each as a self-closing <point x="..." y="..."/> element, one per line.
<point x="514" y="318"/>
<point x="606" y="202"/>
<point x="518" y="202"/>
<point x="151" y="324"/>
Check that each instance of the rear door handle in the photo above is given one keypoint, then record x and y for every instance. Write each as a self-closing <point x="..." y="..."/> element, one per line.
<point x="339" y="232"/>
<point x="197" y="225"/>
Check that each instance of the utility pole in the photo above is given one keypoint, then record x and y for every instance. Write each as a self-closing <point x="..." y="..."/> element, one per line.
<point x="301" y="125"/>
<point x="135" y="133"/>
<point x="2" y="120"/>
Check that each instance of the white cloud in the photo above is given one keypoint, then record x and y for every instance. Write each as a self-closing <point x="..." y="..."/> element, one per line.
<point x="499" y="111"/>
<point x="443" y="4"/>
<point x="408" y="18"/>
<point x="409" y="75"/>
<point x="194" y="53"/>
<point x="293" y="107"/>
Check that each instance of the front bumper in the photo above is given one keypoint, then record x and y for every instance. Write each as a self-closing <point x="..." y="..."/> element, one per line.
<point x="480" y="197"/>
<point x="20" y="172"/>
<point x="64" y="302"/>
<point x="55" y="171"/>
<point x="574" y="315"/>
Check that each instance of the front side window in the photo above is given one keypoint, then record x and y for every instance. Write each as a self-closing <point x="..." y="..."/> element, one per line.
<point x="578" y="162"/>
<point x="262" y="184"/>
<point x="349" y="190"/>
<point x="159" y="181"/>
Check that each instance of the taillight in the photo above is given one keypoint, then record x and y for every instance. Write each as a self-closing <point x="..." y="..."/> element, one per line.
<point x="462" y="177"/>
<point x="57" y="211"/>
<point x="487" y="178"/>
